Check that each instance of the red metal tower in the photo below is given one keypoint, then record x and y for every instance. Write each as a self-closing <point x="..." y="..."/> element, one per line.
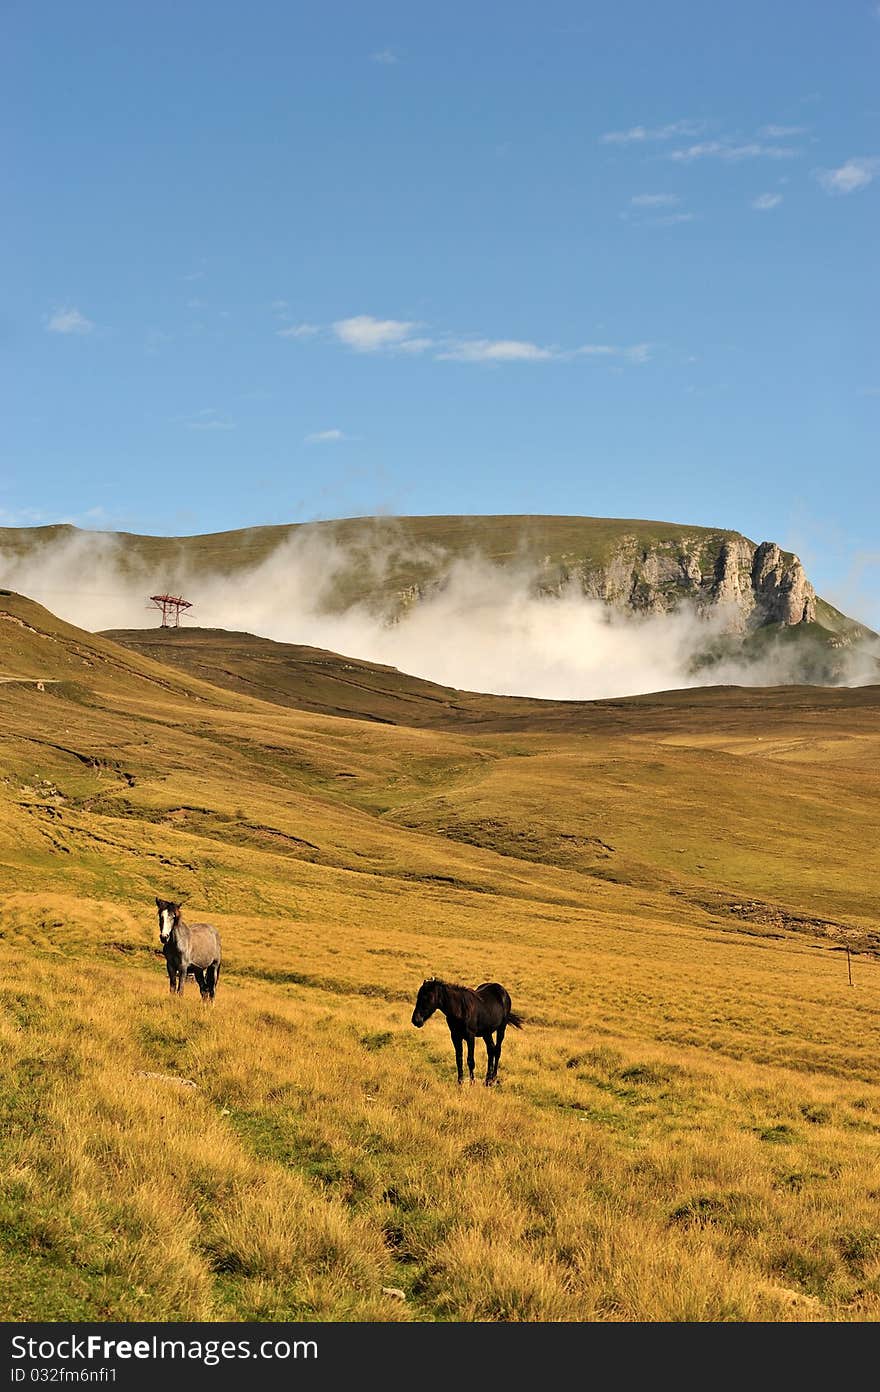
<point x="170" y="606"/>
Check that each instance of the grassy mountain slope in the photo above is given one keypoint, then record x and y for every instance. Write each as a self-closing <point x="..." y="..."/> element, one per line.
<point x="499" y="538"/>
<point x="686" y="1128"/>
<point x="380" y="558"/>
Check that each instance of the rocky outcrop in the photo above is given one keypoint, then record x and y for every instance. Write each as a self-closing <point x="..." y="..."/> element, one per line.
<point x="782" y="591"/>
<point x="753" y="585"/>
<point x="756" y="584"/>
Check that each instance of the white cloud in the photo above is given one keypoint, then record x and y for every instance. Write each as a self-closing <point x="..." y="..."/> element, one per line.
<point x="518" y="350"/>
<point x="765" y="201"/>
<point x="636" y="135"/>
<point x="488" y="627"/>
<point x="637" y="353"/>
<point x="365" y="334"/>
<point x="782" y="132"/>
<point x="654" y="200"/>
<point x="495" y="350"/>
<point x="722" y="149"/>
<point x="672" y="219"/>
<point x="326" y="437"/>
<point x="69" y="321"/>
<point x="386" y="56"/>
<point x="298" y="331"/>
<point x="851" y="176"/>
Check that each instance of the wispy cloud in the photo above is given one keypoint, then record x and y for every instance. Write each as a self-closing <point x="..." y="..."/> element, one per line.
<point x="385" y="55"/>
<point x="156" y="340"/>
<point x="209" y="419"/>
<point x="480" y="350"/>
<point x="298" y="331"/>
<point x="637" y="135"/>
<point x="24" y="517"/>
<point x="854" y="174"/>
<point x="725" y="150"/>
<point x="782" y="132"/>
<point x="365" y="334"/>
<point x="69" y="321"/>
<point x="326" y="437"/>
<point x="649" y="210"/>
<point x="495" y="350"/>
<point x="636" y="353"/>
<point x="415" y="345"/>
<point x="766" y="201"/>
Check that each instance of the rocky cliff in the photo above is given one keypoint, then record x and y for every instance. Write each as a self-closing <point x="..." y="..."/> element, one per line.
<point x="756" y="584"/>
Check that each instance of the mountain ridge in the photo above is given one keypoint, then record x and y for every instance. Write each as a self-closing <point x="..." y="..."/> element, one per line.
<point x="391" y="564"/>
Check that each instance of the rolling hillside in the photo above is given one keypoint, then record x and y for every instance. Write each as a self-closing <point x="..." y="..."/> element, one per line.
<point x="686" y="1128"/>
<point x="312" y="679"/>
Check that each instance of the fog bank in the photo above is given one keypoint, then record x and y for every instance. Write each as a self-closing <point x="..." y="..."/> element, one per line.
<point x="485" y="628"/>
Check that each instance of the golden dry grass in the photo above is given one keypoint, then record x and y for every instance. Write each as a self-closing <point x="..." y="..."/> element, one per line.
<point x="686" y="1129"/>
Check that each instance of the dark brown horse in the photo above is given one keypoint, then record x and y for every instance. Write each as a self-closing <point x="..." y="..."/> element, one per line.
<point x="483" y="1012"/>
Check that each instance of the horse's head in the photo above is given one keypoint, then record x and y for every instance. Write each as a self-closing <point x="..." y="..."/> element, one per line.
<point x="427" y="1001"/>
<point x="169" y="917"/>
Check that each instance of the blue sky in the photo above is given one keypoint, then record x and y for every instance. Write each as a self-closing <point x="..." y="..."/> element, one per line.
<point x="279" y="261"/>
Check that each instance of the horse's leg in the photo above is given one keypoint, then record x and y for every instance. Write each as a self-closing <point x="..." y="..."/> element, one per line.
<point x="490" y="1051"/>
<point x="172" y="977"/>
<point x="199" y="974"/>
<point x="181" y="979"/>
<point x="498" y="1038"/>
<point x="470" y="1043"/>
<point x="211" y="980"/>
<point x="457" y="1040"/>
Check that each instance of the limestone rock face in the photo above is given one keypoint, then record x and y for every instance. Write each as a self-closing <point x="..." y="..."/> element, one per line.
<point x="755" y="584"/>
<point x="781" y="587"/>
<point x="732" y="581"/>
<point x="751" y="585"/>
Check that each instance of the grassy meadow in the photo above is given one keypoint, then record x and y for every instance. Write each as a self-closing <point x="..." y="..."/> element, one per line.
<point x="686" y="1128"/>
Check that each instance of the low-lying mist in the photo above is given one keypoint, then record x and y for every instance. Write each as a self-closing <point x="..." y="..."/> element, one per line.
<point x="486" y="628"/>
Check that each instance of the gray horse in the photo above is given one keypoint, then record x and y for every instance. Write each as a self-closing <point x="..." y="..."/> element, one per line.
<point x="188" y="947"/>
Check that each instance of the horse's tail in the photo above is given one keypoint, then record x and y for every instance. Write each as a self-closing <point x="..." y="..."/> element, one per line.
<point x="514" y="1020"/>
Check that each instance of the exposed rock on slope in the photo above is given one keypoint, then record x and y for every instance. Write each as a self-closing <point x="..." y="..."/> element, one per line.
<point x="758" y="584"/>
